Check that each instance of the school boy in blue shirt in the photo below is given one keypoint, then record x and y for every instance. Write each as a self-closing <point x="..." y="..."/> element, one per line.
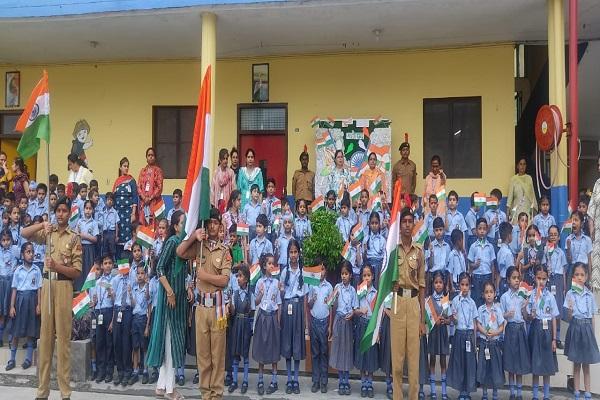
<point x="481" y="261"/>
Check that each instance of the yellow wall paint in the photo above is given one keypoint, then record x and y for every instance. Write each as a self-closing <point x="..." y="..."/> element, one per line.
<point x="117" y="99"/>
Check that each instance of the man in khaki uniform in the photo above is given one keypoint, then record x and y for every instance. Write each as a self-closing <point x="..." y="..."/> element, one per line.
<point x="213" y="262"/>
<point x="62" y="265"/>
<point x="405" y="170"/>
<point x="407" y="323"/>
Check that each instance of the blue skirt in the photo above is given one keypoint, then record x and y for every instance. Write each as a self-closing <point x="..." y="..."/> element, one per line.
<point x="342" y="344"/>
<point x="516" y="355"/>
<point x="5" y="292"/>
<point x="580" y="343"/>
<point x="489" y="372"/>
<point x="26" y="323"/>
<point x="543" y="360"/>
<point x="462" y="367"/>
<point x="293" y="343"/>
<point x="438" y="341"/>
<point x="369" y="360"/>
<point x="423" y="362"/>
<point x="266" y="345"/>
<point x="240" y="334"/>
<point x="385" y="346"/>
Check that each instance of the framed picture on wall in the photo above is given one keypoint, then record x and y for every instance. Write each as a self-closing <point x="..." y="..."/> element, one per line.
<point x="260" y="82"/>
<point x="12" y="89"/>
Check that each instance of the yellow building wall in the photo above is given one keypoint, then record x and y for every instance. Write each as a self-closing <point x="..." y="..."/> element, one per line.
<point x="117" y="98"/>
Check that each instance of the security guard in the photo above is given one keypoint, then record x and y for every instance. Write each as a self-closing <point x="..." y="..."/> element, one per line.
<point x="213" y="262"/>
<point x="61" y="267"/>
<point x="407" y="320"/>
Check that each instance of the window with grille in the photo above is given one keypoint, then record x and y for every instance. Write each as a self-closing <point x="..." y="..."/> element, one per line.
<point x="262" y="118"/>
<point x="173" y="128"/>
<point x="452" y="130"/>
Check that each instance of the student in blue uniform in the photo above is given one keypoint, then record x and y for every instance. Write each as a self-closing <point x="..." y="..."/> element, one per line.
<point x="556" y="261"/>
<point x="39" y="250"/>
<point x="457" y="261"/>
<point x="578" y="246"/>
<point x="302" y="225"/>
<point x="319" y="330"/>
<point x="103" y="299"/>
<point x="581" y="346"/>
<point x="110" y="227"/>
<point x="481" y="261"/>
<point x="374" y="246"/>
<point x="505" y="257"/>
<point x="516" y="361"/>
<point x="8" y="262"/>
<point x="267" y="208"/>
<point x="519" y="233"/>
<point x="355" y="255"/>
<point x="241" y="308"/>
<point x="25" y="306"/>
<point x="88" y="231"/>
<point x="531" y="255"/>
<point x="137" y="259"/>
<point x="266" y="343"/>
<point x="121" y="326"/>
<point x="15" y="226"/>
<point x="495" y="216"/>
<point x="438" y="341"/>
<point x="260" y="245"/>
<point x="490" y="326"/>
<point x="429" y="218"/>
<point x="293" y="324"/>
<point x="252" y="210"/>
<point x="139" y="325"/>
<point x="544" y="220"/>
<point x="362" y="212"/>
<point x="439" y="253"/>
<point x="471" y="221"/>
<point x="283" y="241"/>
<point x="542" y="312"/>
<point x="367" y="362"/>
<point x="454" y="219"/>
<point x="330" y="201"/>
<point x="341" y="334"/>
<point x="344" y="222"/>
<point x="462" y="366"/>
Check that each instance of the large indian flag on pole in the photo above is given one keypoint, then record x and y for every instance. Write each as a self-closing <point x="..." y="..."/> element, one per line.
<point x="388" y="275"/>
<point x="34" y="123"/>
<point x="196" y="197"/>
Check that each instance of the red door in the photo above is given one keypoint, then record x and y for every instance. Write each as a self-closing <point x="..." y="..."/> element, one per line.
<point x="271" y="156"/>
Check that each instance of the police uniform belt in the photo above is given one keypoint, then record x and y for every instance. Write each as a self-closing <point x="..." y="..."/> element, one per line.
<point x="56" y="276"/>
<point x="407" y="292"/>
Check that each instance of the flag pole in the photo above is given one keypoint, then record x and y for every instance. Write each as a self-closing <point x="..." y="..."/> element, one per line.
<point x="48" y="236"/>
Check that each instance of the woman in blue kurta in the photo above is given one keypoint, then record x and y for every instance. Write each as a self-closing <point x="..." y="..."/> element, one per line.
<point x="248" y="176"/>
<point x="126" y="200"/>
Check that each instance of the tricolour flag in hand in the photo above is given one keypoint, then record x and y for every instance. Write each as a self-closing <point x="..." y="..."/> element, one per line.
<point x="145" y="236"/>
<point x="431" y="315"/>
<point x="276" y="207"/>
<point x="577" y="287"/>
<point x="441" y="194"/>
<point x="346" y="251"/>
<point x="354" y="189"/>
<point x="479" y="199"/>
<point x="254" y="273"/>
<point x="357" y="233"/>
<point x="375" y="187"/>
<point x="567" y="227"/>
<point x="81" y="304"/>
<point x="317" y="204"/>
<point x="75" y="215"/>
<point x="90" y="280"/>
<point x="491" y="202"/>
<point x="525" y="290"/>
<point x="420" y="232"/>
<point x="312" y="275"/>
<point x="361" y="289"/>
<point x="158" y="209"/>
<point x="388" y="274"/>
<point x="34" y="122"/>
<point x="242" y="229"/>
<point x="123" y="266"/>
<point x="196" y="197"/>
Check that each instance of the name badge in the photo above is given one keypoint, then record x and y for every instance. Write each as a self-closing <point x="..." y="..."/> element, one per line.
<point x="100" y="319"/>
<point x="93" y="324"/>
<point x="119" y="317"/>
<point x="486" y="351"/>
<point x="290" y="309"/>
<point x="545" y="324"/>
<point x="208" y="301"/>
<point x="147" y="187"/>
<point x="269" y="230"/>
<point x="468" y="346"/>
<point x="553" y="289"/>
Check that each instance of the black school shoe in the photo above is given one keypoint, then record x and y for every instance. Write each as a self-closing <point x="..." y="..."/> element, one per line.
<point x="314" y="388"/>
<point x="196" y="379"/>
<point x="296" y="388"/>
<point x="289" y="387"/>
<point x="233" y="387"/>
<point x="109" y="378"/>
<point x="272" y="388"/>
<point x="133" y="380"/>
<point x="153" y="376"/>
<point x="10" y="365"/>
<point x="181" y="380"/>
<point x="117" y="381"/>
<point x="260" y="388"/>
<point x="244" y="387"/>
<point x="323" y="388"/>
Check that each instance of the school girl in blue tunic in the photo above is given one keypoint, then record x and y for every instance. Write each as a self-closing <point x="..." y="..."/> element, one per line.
<point x="581" y="346"/>
<point x="438" y="341"/>
<point x="25" y="306"/>
<point x="516" y="361"/>
<point x="578" y="246"/>
<point x="103" y="300"/>
<point x="462" y="367"/>
<point x="342" y="334"/>
<point x="544" y="220"/>
<point x="531" y="255"/>
<point x="505" y="258"/>
<point x="8" y="262"/>
<point x="367" y="362"/>
<point x="374" y="245"/>
<point x="555" y="259"/>
<point x="542" y="312"/>
<point x="481" y="261"/>
<point x="266" y="342"/>
<point x="88" y="231"/>
<point x="302" y="225"/>
<point x="293" y="323"/>
<point x="490" y="325"/>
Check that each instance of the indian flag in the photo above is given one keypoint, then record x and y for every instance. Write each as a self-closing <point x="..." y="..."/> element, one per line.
<point x="325" y="140"/>
<point x="441" y="194"/>
<point x="242" y="229"/>
<point x="361" y="290"/>
<point x="276" y="207"/>
<point x="431" y="315"/>
<point x="196" y="197"/>
<point x="276" y="272"/>
<point x="75" y="215"/>
<point x="145" y="236"/>
<point x="420" y="233"/>
<point x="375" y="187"/>
<point x="525" y="290"/>
<point x="90" y="280"/>
<point x="346" y="251"/>
<point x="479" y="199"/>
<point x="317" y="204"/>
<point x="312" y="275"/>
<point x="81" y="304"/>
<point x="491" y="202"/>
<point x="254" y="274"/>
<point x="34" y="122"/>
<point x="567" y="227"/>
<point x="357" y="233"/>
<point x="123" y="266"/>
<point x="550" y="248"/>
<point x="388" y="274"/>
<point x="158" y="209"/>
<point x="577" y="287"/>
<point x="354" y="190"/>
<point x="375" y="203"/>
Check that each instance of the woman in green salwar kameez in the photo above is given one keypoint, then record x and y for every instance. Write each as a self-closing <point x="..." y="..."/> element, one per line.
<point x="521" y="195"/>
<point x="167" y="340"/>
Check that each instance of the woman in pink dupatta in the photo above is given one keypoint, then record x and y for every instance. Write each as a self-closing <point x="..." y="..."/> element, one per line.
<point x="223" y="182"/>
<point x="150" y="185"/>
